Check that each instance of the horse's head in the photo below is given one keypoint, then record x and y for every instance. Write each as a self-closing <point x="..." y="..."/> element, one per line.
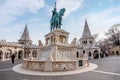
<point x="62" y="11"/>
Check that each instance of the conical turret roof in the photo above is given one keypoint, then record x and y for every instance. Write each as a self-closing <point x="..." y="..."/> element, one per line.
<point x="86" y="32"/>
<point x="25" y="35"/>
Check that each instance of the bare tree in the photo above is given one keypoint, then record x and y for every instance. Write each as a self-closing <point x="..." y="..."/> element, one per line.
<point x="113" y="34"/>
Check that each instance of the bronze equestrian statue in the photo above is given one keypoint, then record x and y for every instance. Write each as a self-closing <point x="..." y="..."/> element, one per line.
<point x="56" y="20"/>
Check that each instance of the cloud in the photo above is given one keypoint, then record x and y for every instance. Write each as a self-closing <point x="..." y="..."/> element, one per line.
<point x="104" y="17"/>
<point x="71" y="5"/>
<point x="102" y="20"/>
<point x="13" y="33"/>
<point x="11" y="9"/>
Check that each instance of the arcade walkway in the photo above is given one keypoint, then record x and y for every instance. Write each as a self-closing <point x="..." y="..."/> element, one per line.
<point x="108" y="69"/>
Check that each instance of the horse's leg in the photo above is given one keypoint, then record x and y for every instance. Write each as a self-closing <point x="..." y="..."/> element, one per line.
<point x="51" y="26"/>
<point x="60" y="22"/>
<point x="55" y="25"/>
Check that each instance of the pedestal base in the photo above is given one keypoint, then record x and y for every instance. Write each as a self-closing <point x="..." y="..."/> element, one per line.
<point x="48" y="66"/>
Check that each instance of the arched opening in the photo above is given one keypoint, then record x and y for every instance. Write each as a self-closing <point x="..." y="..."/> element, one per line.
<point x="62" y="39"/>
<point x="113" y="53"/>
<point x="83" y="51"/>
<point x="52" y="40"/>
<point x="77" y="54"/>
<point x="1" y="54"/>
<point x="90" y="54"/>
<point x="20" y="54"/>
<point x="34" y="53"/>
<point x="8" y="53"/>
<point x="101" y="55"/>
<point x="96" y="54"/>
<point x="117" y="53"/>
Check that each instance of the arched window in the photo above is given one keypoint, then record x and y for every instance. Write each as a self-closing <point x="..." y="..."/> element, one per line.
<point x="90" y="54"/>
<point x="83" y="51"/>
<point x="34" y="53"/>
<point x="77" y="54"/>
<point x="96" y="54"/>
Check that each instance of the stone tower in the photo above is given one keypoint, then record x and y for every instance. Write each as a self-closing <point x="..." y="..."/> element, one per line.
<point x="25" y="38"/>
<point x="87" y="39"/>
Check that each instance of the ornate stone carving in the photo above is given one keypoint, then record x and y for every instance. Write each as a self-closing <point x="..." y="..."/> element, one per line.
<point x="74" y="41"/>
<point x="40" y="43"/>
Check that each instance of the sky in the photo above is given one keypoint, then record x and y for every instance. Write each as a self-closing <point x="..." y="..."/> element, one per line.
<point x="15" y="14"/>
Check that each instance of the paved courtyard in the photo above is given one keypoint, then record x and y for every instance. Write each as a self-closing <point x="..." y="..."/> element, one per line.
<point x="108" y="69"/>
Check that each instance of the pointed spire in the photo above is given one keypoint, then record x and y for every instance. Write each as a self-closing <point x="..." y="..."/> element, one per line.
<point x="86" y="32"/>
<point x="25" y="36"/>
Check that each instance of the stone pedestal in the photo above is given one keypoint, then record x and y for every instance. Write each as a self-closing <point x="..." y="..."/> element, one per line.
<point x="48" y="66"/>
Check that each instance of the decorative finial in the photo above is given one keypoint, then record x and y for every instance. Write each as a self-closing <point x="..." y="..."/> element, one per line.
<point x="55" y="6"/>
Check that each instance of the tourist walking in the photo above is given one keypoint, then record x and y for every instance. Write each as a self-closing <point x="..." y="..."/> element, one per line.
<point x="13" y="58"/>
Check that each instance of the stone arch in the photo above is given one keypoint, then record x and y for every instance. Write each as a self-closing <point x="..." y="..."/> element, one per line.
<point x="113" y="53"/>
<point x="1" y="55"/>
<point x="8" y="53"/>
<point x="9" y="50"/>
<point x="96" y="54"/>
<point x="34" y="53"/>
<point x="89" y="54"/>
<point x="15" y="52"/>
<point x="20" y="54"/>
<point x="117" y="53"/>
<point x="83" y="51"/>
<point x="52" y="39"/>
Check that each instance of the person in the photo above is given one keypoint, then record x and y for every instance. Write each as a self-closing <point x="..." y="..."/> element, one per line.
<point x="13" y="58"/>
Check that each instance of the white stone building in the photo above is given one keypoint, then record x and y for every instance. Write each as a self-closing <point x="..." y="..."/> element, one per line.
<point x="22" y="49"/>
<point x="87" y="43"/>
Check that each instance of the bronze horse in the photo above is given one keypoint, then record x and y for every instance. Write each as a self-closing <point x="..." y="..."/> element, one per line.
<point x="56" y="20"/>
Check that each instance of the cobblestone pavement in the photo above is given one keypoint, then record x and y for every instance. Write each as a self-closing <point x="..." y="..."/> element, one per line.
<point x="108" y="69"/>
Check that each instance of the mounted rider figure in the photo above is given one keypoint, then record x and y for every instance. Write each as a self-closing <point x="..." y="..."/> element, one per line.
<point x="56" y="19"/>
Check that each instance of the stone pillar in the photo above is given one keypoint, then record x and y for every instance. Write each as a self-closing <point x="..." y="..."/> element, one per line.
<point x="3" y="56"/>
<point x="39" y="52"/>
<point x="76" y="64"/>
<point x="57" y="39"/>
<point x="17" y="55"/>
<point x="30" y="55"/>
<point x="66" y="40"/>
<point x="92" y="54"/>
<point x="56" y="51"/>
<point x="88" y="42"/>
<point x="99" y="53"/>
<point x="45" y="41"/>
<point x="23" y="55"/>
<point x="50" y="40"/>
